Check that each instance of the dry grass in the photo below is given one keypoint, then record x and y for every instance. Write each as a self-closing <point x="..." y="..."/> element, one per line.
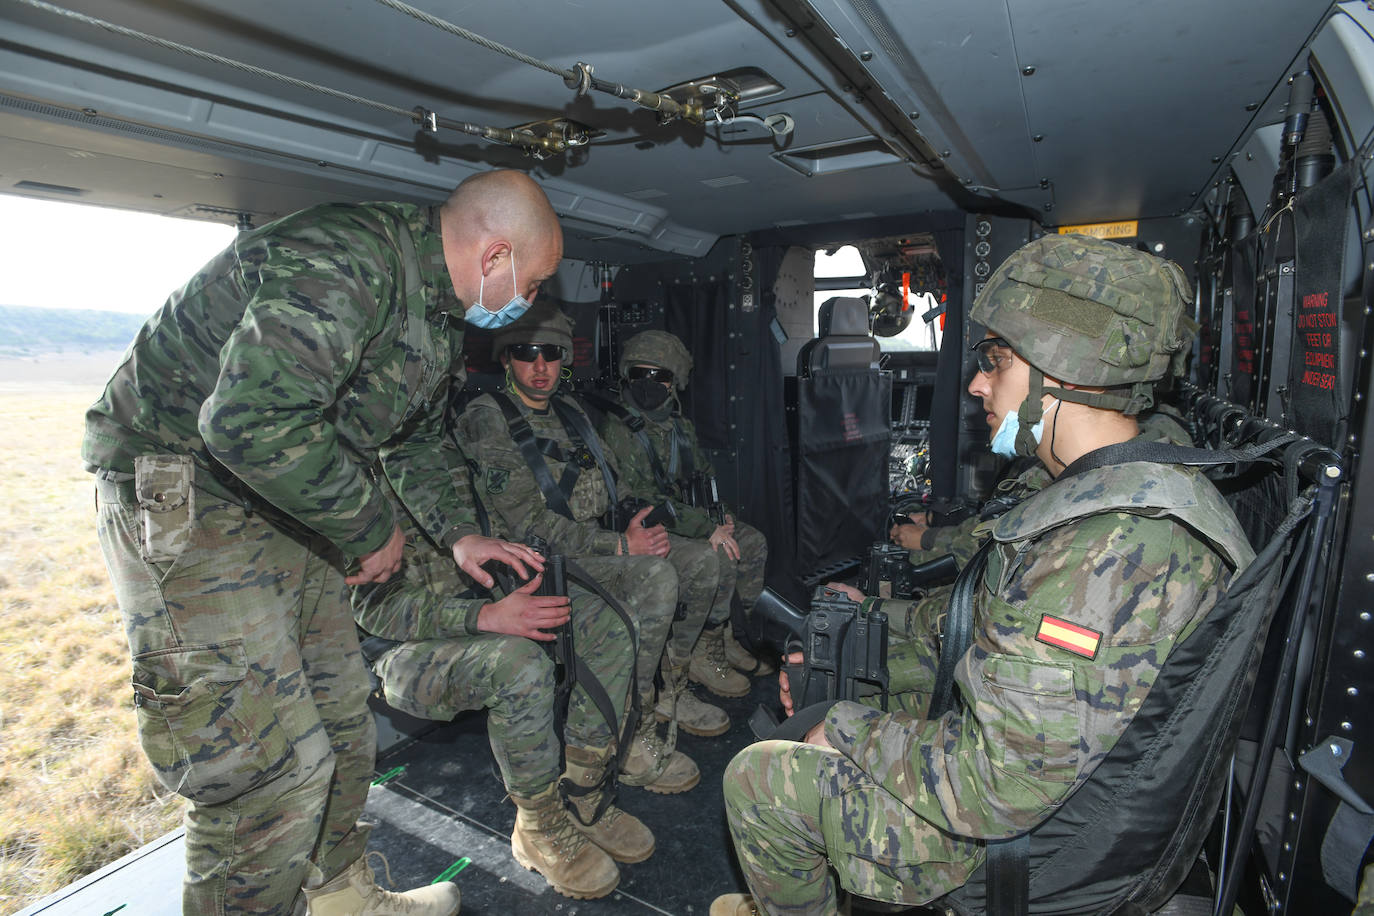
<point x="75" y="791"/>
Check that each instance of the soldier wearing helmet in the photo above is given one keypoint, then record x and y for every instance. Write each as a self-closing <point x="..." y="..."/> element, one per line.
<point x="1083" y="589"/>
<point x="657" y="450"/>
<point x="541" y="469"/>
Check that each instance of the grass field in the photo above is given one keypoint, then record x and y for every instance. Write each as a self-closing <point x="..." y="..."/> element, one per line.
<point x="75" y="791"/>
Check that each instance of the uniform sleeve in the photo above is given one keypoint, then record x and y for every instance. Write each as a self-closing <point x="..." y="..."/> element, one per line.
<point x="1034" y="720"/>
<point x="508" y="489"/>
<point x="421" y="468"/>
<point x="959" y="540"/>
<point x="316" y="294"/>
<point x="691" y="521"/>
<point x="422" y="602"/>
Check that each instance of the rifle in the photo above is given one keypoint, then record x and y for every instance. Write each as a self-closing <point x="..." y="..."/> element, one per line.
<point x="702" y="493"/>
<point x="555" y="583"/>
<point x="891" y="574"/>
<point x="844" y="649"/>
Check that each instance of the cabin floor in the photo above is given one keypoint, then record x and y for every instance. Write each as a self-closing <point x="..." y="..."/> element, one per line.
<point x="444" y="800"/>
<point x="439" y="798"/>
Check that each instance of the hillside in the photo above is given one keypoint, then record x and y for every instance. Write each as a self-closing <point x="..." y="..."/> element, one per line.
<point x="34" y="332"/>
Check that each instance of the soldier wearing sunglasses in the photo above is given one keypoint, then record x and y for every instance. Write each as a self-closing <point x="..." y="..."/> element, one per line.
<point x="539" y="468"/>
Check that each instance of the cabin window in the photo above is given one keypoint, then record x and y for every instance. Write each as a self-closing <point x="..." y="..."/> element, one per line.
<point x="841" y="272"/>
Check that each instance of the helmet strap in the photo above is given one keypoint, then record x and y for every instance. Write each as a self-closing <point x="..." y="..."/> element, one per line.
<point x="1029" y="414"/>
<point x="1141" y="397"/>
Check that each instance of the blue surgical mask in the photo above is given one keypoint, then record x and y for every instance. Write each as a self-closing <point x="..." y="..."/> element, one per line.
<point x="477" y="314"/>
<point x="1004" y="443"/>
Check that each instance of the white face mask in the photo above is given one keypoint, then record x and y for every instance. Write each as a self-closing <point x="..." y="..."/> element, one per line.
<point x="479" y="316"/>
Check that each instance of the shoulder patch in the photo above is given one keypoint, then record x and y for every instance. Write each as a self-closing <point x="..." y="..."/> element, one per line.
<point x="497" y="478"/>
<point x="1068" y="636"/>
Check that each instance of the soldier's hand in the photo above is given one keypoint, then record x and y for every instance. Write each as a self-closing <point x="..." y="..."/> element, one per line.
<point x="721" y="539"/>
<point x="784" y="687"/>
<point x="523" y="613"/>
<point x="471" y="551"/>
<point x="849" y="591"/>
<point x="382" y="564"/>
<point x="646" y="542"/>
<point x="909" y="535"/>
<point x="817" y="736"/>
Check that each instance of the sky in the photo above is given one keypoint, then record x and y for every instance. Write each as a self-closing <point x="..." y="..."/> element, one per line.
<point x="61" y="255"/>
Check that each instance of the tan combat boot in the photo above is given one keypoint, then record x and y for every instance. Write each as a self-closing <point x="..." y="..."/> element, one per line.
<point x="655" y="763"/>
<point x="733" y="905"/>
<point x="354" y="892"/>
<point x="712" y="670"/>
<point x="623" y="836"/>
<point x="741" y="660"/>
<point x="678" y="704"/>
<point x="545" y="841"/>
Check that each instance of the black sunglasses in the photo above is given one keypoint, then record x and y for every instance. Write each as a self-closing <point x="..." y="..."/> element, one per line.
<point x="528" y="353"/>
<point x="987" y="362"/>
<point x="652" y="373"/>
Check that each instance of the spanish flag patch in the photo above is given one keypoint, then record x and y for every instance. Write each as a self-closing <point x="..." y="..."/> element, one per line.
<point x="1068" y="636"/>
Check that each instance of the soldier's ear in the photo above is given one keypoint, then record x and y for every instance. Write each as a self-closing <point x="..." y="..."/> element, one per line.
<point x="492" y="256"/>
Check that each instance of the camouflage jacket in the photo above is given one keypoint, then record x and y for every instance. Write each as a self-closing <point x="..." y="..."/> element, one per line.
<point x="964" y="539"/>
<point x="1091" y="583"/>
<point x="508" y="488"/>
<point x="674" y="441"/>
<point x="292" y="360"/>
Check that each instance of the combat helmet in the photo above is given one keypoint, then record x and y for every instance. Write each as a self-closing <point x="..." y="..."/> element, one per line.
<point x="1088" y="312"/>
<point x="543" y="323"/>
<point x="657" y="348"/>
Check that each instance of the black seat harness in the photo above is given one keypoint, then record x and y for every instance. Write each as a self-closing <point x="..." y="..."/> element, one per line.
<point x="1008" y="861"/>
<point x="584" y="446"/>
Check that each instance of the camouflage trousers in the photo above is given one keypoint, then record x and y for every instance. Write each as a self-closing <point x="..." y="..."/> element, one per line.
<point x="798" y="811"/>
<point x="744" y="575"/>
<point x="514" y="679"/>
<point x="698" y="573"/>
<point x="647" y="587"/>
<point x="248" y="686"/>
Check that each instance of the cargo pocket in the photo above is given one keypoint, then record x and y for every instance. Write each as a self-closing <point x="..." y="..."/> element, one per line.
<point x="1030" y="716"/>
<point x="166" y="505"/>
<point x="206" y="723"/>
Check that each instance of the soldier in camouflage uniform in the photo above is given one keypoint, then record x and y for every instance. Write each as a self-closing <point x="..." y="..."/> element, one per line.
<point x="1089" y="585"/>
<point x="929" y="542"/>
<point x="660" y="457"/>
<point x="231" y="451"/>
<point x="629" y="564"/>
<point x="441" y="646"/>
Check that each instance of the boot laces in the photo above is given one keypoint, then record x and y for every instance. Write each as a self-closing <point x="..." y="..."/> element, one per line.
<point x="565" y="839"/>
<point x="377" y="895"/>
<point x="715" y="653"/>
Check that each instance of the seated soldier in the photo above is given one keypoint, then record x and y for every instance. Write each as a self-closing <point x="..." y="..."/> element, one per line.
<point x="1088" y="586"/>
<point x="540" y="469"/>
<point x="1023" y="476"/>
<point x="661" y="456"/>
<point x="440" y="646"/>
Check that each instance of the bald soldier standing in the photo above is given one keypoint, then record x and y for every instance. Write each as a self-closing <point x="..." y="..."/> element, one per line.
<point x="1089" y="585"/>
<point x="232" y="451"/>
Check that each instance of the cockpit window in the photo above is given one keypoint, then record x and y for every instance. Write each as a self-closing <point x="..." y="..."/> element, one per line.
<point x="841" y="272"/>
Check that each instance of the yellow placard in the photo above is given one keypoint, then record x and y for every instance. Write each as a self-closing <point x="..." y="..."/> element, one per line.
<point x="1126" y="229"/>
